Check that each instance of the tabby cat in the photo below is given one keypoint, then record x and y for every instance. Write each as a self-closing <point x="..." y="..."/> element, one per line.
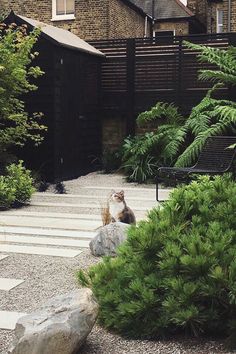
<point x="119" y="210"/>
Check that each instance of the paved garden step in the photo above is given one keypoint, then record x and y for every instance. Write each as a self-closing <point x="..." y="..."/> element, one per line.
<point x="34" y="231"/>
<point x="143" y="197"/>
<point x="55" y="215"/>
<point x="52" y="241"/>
<point x="44" y="251"/>
<point x="8" y="319"/>
<point x="50" y="223"/>
<point x="8" y="284"/>
<point x="88" y="205"/>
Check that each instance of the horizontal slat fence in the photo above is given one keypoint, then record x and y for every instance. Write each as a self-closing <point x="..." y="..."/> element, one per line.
<point x="141" y="71"/>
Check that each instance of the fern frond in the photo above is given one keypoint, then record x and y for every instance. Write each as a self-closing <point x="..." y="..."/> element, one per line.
<point x="160" y="110"/>
<point x="189" y="156"/>
<point x="172" y="148"/>
<point x="226" y="113"/>
<point x="216" y="76"/>
<point x="224" y="59"/>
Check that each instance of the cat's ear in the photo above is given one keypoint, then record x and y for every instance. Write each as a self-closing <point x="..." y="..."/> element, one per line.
<point x="122" y="193"/>
<point x="112" y="192"/>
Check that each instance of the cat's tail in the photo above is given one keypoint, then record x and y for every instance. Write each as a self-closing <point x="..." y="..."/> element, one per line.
<point x="105" y="213"/>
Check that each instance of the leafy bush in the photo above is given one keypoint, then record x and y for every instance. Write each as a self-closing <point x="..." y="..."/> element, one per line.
<point x="19" y="178"/>
<point x="138" y="164"/>
<point x="177" y="270"/>
<point x="16" y="186"/>
<point x="7" y="193"/>
<point x="16" y="71"/>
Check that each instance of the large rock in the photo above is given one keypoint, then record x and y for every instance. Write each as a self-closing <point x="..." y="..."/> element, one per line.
<point x="108" y="239"/>
<point x="59" y="327"/>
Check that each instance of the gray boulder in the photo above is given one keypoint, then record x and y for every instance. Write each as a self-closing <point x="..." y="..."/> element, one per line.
<point x="108" y="239"/>
<point x="60" y="326"/>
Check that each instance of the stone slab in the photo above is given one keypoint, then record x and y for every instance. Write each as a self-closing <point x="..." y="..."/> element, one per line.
<point x="85" y="196"/>
<point x="55" y="215"/>
<point x="3" y="256"/>
<point x="118" y="188"/>
<point x="7" y="284"/>
<point x="43" y="251"/>
<point x="88" y="206"/>
<point x="4" y="230"/>
<point x="44" y="241"/>
<point x="73" y="224"/>
<point x="8" y="319"/>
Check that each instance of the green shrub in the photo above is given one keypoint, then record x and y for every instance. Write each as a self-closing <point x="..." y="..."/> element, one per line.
<point x="16" y="186"/>
<point x="7" y="193"/>
<point x="177" y="270"/>
<point x="20" y="180"/>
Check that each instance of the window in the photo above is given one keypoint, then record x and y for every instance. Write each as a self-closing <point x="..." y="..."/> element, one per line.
<point x="219" y="21"/>
<point x="63" y="10"/>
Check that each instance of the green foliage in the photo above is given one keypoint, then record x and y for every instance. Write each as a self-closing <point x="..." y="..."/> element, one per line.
<point x="143" y="154"/>
<point x="111" y="161"/>
<point x="16" y="186"/>
<point x="176" y="272"/>
<point x="7" y="193"/>
<point x="15" y="73"/>
<point x="177" y="140"/>
<point x="20" y="180"/>
<point x="224" y="59"/>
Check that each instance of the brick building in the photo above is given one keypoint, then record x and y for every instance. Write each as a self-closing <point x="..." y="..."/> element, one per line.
<point x="217" y="15"/>
<point x="89" y="19"/>
<point x="171" y="17"/>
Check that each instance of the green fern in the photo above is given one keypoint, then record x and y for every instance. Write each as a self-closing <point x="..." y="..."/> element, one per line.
<point x="225" y="60"/>
<point x="161" y="110"/>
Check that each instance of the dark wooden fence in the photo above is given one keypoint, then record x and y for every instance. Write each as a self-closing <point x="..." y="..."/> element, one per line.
<point x="139" y="72"/>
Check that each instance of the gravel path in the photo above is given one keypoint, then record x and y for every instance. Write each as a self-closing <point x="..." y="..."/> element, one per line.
<point x="47" y="276"/>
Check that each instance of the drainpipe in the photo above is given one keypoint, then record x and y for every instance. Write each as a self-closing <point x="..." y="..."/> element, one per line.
<point x="229" y="15"/>
<point x="153" y="15"/>
<point x="146" y="26"/>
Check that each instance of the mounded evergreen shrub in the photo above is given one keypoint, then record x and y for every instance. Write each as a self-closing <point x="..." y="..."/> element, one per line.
<point x="177" y="270"/>
<point x="16" y="186"/>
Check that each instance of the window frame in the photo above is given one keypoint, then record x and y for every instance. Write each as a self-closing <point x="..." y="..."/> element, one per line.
<point x="56" y="17"/>
<point x="219" y="25"/>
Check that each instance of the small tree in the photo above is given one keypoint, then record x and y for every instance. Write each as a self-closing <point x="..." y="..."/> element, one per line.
<point x="16" y="55"/>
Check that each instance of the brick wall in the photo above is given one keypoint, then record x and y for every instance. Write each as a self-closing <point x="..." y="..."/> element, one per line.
<point x="95" y="19"/>
<point x="206" y="13"/>
<point x="211" y="16"/>
<point x="124" y="22"/>
<point x="180" y="27"/>
<point x="199" y="8"/>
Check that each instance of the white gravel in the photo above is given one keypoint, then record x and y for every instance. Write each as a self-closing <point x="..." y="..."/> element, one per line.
<point x="48" y="276"/>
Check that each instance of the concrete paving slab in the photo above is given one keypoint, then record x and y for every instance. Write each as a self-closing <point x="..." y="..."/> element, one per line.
<point x="50" y="223"/>
<point x="5" y="230"/>
<point x="88" y="206"/>
<point x="7" y="284"/>
<point x="8" y="319"/>
<point x="44" y="241"/>
<point x="3" y="256"/>
<point x="135" y="188"/>
<point x="86" y="196"/>
<point x="44" y="251"/>
<point x="55" y="215"/>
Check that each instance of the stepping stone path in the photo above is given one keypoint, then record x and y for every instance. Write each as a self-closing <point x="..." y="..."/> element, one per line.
<point x="59" y="225"/>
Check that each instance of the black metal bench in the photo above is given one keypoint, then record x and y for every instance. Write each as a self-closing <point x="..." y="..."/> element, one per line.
<point x="215" y="158"/>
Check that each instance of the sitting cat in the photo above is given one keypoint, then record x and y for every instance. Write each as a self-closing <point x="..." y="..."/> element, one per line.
<point x="119" y="210"/>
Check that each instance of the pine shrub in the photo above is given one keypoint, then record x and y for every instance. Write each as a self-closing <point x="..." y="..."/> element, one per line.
<point x="177" y="271"/>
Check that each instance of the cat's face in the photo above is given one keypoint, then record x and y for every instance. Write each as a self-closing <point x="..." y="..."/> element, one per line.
<point x="117" y="197"/>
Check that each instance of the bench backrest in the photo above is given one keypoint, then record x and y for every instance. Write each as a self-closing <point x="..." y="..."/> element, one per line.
<point x="216" y="155"/>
